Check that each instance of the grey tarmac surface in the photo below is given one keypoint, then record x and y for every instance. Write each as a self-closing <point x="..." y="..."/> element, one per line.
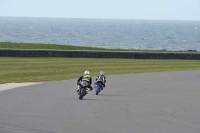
<point x="162" y="102"/>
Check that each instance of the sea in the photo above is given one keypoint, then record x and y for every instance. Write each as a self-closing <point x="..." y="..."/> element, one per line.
<point x="105" y="33"/>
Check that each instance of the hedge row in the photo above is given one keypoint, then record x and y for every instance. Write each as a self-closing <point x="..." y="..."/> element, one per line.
<point x="97" y="54"/>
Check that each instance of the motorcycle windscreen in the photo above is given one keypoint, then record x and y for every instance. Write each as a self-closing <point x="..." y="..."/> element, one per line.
<point x="84" y="83"/>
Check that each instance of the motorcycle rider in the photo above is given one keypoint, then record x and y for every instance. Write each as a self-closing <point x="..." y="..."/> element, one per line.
<point x="85" y="77"/>
<point x="102" y="77"/>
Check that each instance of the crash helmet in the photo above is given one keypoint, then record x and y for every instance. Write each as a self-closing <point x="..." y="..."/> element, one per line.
<point x="101" y="72"/>
<point x="86" y="72"/>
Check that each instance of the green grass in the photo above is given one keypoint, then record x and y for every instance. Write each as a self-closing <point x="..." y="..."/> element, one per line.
<point x="48" y="69"/>
<point x="44" y="46"/>
<point x="13" y="45"/>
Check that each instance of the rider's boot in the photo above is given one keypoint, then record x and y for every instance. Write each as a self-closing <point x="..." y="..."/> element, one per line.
<point x="77" y="89"/>
<point x="88" y="89"/>
<point x="102" y="87"/>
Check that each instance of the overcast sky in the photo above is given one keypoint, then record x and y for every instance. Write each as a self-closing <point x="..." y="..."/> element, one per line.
<point x="111" y="9"/>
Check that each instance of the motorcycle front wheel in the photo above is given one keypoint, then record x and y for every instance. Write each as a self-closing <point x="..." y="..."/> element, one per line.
<point x="97" y="89"/>
<point x="82" y="93"/>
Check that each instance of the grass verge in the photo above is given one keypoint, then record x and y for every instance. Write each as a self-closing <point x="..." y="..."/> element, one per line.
<point x="13" y="45"/>
<point x="48" y="69"/>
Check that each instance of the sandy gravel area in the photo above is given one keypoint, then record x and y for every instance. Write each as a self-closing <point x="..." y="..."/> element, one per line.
<point x="8" y="86"/>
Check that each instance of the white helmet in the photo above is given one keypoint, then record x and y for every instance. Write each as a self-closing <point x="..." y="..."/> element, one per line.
<point x="101" y="72"/>
<point x="86" y="72"/>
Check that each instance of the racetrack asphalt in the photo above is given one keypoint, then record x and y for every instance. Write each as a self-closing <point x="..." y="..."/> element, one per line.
<point x="160" y="102"/>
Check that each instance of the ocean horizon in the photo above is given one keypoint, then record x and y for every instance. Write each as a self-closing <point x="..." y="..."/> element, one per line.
<point x="103" y="33"/>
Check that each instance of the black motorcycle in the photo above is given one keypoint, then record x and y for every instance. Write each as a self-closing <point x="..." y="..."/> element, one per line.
<point x="83" y="88"/>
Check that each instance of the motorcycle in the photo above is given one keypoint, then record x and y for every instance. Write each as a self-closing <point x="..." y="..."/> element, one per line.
<point x="83" y="88"/>
<point x="98" y="86"/>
